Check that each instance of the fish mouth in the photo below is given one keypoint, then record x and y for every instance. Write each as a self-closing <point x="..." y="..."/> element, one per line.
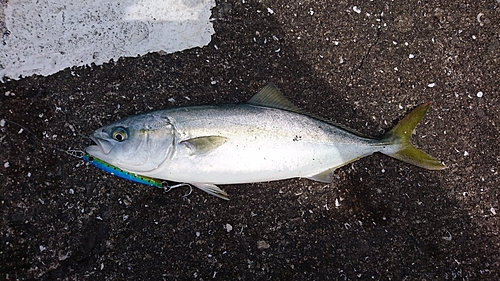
<point x="102" y="147"/>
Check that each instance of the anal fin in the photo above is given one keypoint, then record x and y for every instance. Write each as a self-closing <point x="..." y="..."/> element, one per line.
<point x="326" y="176"/>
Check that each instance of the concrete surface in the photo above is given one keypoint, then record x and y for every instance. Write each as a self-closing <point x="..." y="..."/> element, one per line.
<point x="361" y="63"/>
<point x="43" y="37"/>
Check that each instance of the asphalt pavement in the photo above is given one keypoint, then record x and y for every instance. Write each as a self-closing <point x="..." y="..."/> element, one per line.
<point x="363" y="64"/>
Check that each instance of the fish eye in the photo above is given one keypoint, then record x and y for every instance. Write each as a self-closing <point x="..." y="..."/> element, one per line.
<point x="119" y="134"/>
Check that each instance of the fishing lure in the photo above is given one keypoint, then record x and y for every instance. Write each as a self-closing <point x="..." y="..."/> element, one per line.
<point x="121" y="173"/>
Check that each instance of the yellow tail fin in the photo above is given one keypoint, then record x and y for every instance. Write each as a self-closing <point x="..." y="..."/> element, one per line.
<point x="401" y="134"/>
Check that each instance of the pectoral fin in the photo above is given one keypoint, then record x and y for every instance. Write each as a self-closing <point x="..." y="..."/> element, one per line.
<point x="202" y="145"/>
<point x="212" y="189"/>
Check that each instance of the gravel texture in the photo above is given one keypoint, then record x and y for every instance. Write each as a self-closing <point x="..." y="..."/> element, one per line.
<point x="364" y="64"/>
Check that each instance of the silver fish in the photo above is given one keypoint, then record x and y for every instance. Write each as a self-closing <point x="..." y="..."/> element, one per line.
<point x="265" y="139"/>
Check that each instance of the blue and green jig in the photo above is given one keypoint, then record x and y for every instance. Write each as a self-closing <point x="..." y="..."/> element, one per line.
<point x="121" y="173"/>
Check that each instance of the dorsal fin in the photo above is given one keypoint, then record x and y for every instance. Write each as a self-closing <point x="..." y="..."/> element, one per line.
<point x="271" y="96"/>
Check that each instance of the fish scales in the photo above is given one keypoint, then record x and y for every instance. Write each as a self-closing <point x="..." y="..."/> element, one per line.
<point x="263" y="144"/>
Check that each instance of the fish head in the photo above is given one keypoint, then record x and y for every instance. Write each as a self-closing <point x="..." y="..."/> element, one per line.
<point x="136" y="144"/>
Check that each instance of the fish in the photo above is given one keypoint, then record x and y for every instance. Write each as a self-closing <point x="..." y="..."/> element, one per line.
<point x="265" y="139"/>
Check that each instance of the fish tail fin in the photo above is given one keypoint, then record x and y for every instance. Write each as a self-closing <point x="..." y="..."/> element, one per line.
<point x="400" y="136"/>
